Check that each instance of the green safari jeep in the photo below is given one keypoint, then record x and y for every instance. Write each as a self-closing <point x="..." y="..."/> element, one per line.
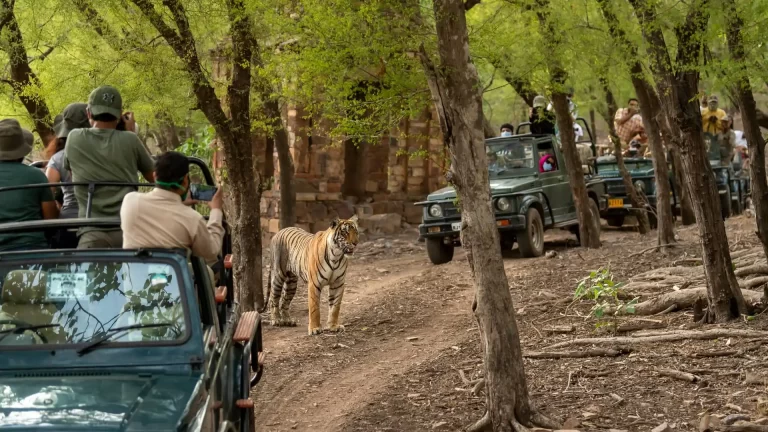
<point x="120" y="339"/>
<point x="527" y="199"/>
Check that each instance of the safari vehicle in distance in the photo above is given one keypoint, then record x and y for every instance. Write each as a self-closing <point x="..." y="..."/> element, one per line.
<point x="120" y="339"/>
<point x="526" y="200"/>
<point x="643" y="179"/>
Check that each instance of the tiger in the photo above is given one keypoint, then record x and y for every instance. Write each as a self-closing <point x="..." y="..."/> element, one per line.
<point x="320" y="260"/>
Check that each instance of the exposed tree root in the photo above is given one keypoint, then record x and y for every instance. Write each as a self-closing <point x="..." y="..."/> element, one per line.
<point x="754" y="282"/>
<point x="753" y="269"/>
<point x="749" y="427"/>
<point x="482" y="425"/>
<point x="597" y="352"/>
<point x="683" y="376"/>
<point x="681" y="299"/>
<point x="647" y="337"/>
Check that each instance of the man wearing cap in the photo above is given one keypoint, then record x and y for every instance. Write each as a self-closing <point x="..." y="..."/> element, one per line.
<point x="712" y="116"/>
<point x="74" y="116"/>
<point x="25" y="204"/>
<point x="104" y="154"/>
<point x="542" y="121"/>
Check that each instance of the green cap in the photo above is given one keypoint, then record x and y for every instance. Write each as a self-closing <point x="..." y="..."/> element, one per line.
<point x="15" y="142"/>
<point x="105" y="100"/>
<point x="74" y="116"/>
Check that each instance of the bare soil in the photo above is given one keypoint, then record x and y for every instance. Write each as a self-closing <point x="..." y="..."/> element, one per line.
<point x="410" y="336"/>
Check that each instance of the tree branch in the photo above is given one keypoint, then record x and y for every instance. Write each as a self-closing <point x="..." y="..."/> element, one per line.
<point x="469" y="4"/>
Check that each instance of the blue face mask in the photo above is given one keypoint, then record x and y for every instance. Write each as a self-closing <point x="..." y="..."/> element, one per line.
<point x="506" y="134"/>
<point x="547" y="166"/>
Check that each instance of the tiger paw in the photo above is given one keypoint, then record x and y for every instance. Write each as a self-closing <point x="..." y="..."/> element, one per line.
<point x="287" y="322"/>
<point x="335" y="328"/>
<point x="314" y="332"/>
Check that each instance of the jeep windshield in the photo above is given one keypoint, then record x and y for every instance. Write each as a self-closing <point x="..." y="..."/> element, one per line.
<point x="632" y="165"/>
<point x="65" y="301"/>
<point x="510" y="158"/>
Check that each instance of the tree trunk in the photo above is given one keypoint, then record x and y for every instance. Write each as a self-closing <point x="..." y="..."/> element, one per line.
<point x="649" y="107"/>
<point x="455" y="91"/>
<point x="589" y="236"/>
<point x="593" y="124"/>
<point x="23" y="81"/>
<point x="285" y="161"/>
<point x="746" y="101"/>
<point x="678" y="90"/>
<point x="589" y="233"/>
<point x="234" y="133"/>
<point x="681" y="191"/>
<point x="167" y="137"/>
<point x="638" y="204"/>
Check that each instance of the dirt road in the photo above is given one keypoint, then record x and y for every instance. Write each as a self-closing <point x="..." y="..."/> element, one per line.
<point x="409" y="331"/>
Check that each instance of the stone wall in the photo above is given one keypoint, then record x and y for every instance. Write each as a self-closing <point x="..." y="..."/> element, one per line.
<point x="389" y="176"/>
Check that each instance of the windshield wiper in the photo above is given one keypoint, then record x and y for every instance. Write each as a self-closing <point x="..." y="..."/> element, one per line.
<point x="106" y="335"/>
<point x="22" y="329"/>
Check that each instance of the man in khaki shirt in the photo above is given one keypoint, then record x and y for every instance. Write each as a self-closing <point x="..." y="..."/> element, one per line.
<point x="162" y="218"/>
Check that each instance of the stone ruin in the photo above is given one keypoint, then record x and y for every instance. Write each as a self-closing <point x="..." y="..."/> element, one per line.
<point x="378" y="181"/>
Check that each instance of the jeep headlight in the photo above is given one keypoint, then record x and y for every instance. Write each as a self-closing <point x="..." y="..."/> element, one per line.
<point x="503" y="204"/>
<point x="435" y="211"/>
<point x="640" y="186"/>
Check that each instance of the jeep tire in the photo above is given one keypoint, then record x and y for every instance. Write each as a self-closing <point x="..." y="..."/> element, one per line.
<point x="615" y="221"/>
<point x="531" y="241"/>
<point x="439" y="252"/>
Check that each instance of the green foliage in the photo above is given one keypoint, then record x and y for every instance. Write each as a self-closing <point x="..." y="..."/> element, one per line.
<point x="200" y="145"/>
<point x="600" y="287"/>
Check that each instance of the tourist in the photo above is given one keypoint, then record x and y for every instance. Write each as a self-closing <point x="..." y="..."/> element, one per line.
<point x="542" y="121"/>
<point x="507" y="130"/>
<point x="727" y="140"/>
<point x="23" y="204"/>
<point x="711" y="118"/>
<point x="104" y="154"/>
<point x="74" y="116"/>
<point x="628" y="122"/>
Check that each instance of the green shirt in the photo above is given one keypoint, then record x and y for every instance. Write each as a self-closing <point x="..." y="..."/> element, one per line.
<point x="105" y="155"/>
<point x="22" y="205"/>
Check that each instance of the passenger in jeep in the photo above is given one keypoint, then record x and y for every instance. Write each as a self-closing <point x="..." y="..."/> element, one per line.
<point x="24" y="204"/>
<point x="163" y="218"/>
<point x="102" y="153"/>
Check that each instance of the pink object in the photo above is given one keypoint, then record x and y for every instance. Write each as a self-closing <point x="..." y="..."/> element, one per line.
<point x="544" y="159"/>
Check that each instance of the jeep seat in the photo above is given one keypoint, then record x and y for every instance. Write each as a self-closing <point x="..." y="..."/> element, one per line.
<point x="23" y="299"/>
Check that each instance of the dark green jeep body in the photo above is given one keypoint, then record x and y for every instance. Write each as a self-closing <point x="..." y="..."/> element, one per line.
<point x="526" y="200"/>
<point x="122" y="339"/>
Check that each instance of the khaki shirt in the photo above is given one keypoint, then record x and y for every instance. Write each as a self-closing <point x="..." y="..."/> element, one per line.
<point x="159" y="219"/>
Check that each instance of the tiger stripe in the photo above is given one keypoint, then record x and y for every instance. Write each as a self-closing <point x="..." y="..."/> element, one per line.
<point x="320" y="260"/>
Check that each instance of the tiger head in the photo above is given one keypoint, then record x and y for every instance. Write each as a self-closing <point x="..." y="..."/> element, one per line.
<point x="345" y="235"/>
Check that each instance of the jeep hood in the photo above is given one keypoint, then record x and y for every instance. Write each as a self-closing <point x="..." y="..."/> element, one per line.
<point x="498" y="186"/>
<point x="94" y="403"/>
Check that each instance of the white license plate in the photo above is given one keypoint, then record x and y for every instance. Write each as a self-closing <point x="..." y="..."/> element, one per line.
<point x="456" y="226"/>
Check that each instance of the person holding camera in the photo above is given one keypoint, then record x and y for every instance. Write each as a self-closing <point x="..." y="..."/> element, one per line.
<point x="163" y="217"/>
<point x="102" y="153"/>
<point x="712" y="117"/>
<point x="628" y="122"/>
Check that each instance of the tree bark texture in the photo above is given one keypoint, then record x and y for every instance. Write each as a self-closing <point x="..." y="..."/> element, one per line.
<point x="455" y="92"/>
<point x="285" y="161"/>
<point x="638" y="204"/>
<point x="649" y="107"/>
<point x="678" y="89"/>
<point x="589" y="233"/>
<point x="746" y="102"/>
<point x="681" y="191"/>
<point x="234" y="134"/>
<point x="23" y="80"/>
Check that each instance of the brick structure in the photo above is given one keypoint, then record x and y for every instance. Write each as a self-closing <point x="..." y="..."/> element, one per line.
<point x="335" y="178"/>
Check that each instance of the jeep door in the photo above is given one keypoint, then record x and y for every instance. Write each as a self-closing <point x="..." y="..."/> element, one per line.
<point x="555" y="183"/>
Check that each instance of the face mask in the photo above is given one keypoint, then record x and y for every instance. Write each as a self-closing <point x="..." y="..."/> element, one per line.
<point x="506" y="134"/>
<point x="547" y="166"/>
<point x="177" y="185"/>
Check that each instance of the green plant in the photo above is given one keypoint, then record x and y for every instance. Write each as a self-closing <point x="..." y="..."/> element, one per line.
<point x="600" y="287"/>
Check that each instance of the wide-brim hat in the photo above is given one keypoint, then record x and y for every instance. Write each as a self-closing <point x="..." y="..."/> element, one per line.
<point x="15" y="142"/>
<point x="74" y="116"/>
<point x="539" y="102"/>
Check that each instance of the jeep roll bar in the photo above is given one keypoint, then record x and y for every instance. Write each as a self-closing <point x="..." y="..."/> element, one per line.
<point x="92" y="185"/>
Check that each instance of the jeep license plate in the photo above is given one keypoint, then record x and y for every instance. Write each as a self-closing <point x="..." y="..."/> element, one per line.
<point x="456" y="226"/>
<point x="616" y="202"/>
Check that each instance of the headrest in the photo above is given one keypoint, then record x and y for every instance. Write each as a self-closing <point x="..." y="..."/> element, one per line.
<point x="24" y="287"/>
